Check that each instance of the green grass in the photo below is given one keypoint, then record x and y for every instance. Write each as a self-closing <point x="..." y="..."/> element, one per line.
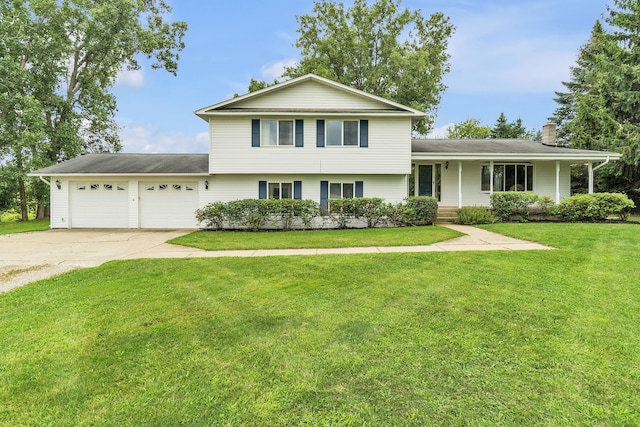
<point x="21" y="227"/>
<point x="238" y="240"/>
<point x="458" y="338"/>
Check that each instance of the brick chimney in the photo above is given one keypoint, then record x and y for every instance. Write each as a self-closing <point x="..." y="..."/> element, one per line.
<point x="549" y="134"/>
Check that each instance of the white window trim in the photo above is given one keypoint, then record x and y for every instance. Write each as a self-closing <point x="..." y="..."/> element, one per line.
<point x="293" y="133"/>
<point x="326" y="133"/>
<point x="492" y="166"/>
<point x="342" y="184"/>
<point x="280" y="188"/>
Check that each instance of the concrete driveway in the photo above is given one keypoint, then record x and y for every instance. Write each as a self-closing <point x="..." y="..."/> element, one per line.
<point x="27" y="257"/>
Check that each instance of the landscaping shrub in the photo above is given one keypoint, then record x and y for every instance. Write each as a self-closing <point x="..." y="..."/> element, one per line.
<point x="249" y="213"/>
<point x="370" y="209"/>
<point x="594" y="207"/>
<point x="285" y="214"/>
<point x="513" y="205"/>
<point x="471" y="215"/>
<point x="286" y="211"/>
<point x="342" y="211"/>
<point x="213" y="216"/>
<point x="421" y="210"/>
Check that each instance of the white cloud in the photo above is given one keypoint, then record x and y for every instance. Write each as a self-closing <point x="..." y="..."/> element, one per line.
<point x="145" y="138"/>
<point x="273" y="71"/>
<point x="130" y="78"/>
<point x="440" y="132"/>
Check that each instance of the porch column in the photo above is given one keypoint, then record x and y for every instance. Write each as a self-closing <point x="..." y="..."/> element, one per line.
<point x="590" y="168"/>
<point x="491" y="179"/>
<point x="557" y="181"/>
<point x="459" y="184"/>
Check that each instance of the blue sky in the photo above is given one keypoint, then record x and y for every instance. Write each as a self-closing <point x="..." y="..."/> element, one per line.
<point x="506" y="56"/>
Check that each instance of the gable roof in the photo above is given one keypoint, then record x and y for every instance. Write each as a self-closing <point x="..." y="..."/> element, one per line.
<point x="130" y="164"/>
<point x="234" y="105"/>
<point x="501" y="149"/>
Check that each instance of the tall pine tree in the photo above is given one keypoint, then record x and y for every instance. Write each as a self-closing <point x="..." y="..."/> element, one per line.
<point x="601" y="109"/>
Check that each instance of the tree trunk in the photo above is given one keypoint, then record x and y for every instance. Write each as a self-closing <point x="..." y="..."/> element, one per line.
<point x="40" y="212"/>
<point x="23" y="200"/>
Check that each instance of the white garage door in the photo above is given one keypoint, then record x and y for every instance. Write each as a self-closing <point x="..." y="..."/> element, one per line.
<point x="168" y="204"/>
<point x="99" y="204"/>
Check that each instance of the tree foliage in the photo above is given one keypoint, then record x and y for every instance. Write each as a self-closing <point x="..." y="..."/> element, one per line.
<point x="601" y="108"/>
<point x="469" y="129"/>
<point x="505" y="129"/>
<point x="59" y="60"/>
<point x="380" y="48"/>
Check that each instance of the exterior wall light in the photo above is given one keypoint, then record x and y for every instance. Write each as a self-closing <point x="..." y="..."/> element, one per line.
<point x="206" y="184"/>
<point x="58" y="185"/>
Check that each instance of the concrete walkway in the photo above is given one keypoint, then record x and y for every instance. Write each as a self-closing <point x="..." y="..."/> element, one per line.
<point x="27" y="257"/>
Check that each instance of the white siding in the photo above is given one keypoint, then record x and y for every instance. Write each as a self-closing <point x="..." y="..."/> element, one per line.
<point x="134" y="204"/>
<point x="311" y="95"/>
<point x="59" y="203"/>
<point x="392" y="188"/>
<point x="389" y="150"/>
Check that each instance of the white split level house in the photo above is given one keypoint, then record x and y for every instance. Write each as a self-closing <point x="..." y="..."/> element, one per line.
<point x="306" y="138"/>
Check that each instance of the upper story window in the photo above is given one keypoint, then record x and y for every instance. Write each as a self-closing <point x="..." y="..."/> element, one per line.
<point x="336" y="133"/>
<point x="277" y="132"/>
<point x="342" y="132"/>
<point x="508" y="177"/>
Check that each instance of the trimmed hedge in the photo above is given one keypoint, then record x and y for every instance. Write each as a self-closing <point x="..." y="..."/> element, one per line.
<point x="513" y="205"/>
<point x="285" y="214"/>
<point x="594" y="207"/>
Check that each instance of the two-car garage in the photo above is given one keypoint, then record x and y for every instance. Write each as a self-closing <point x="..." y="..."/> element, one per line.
<point x="127" y="190"/>
<point x="119" y="204"/>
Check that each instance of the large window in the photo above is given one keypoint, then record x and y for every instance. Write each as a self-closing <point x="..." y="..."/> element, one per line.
<point x="280" y="190"/>
<point x="342" y="132"/>
<point x="341" y="190"/>
<point x="277" y="132"/>
<point x="508" y="177"/>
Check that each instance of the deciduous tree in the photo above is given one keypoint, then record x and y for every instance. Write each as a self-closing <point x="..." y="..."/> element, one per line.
<point x="469" y="129"/>
<point x="59" y="59"/>
<point x="379" y="48"/>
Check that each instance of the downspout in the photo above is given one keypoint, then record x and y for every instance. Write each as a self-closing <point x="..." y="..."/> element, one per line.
<point x="601" y="164"/>
<point x="44" y="180"/>
<point x="592" y="170"/>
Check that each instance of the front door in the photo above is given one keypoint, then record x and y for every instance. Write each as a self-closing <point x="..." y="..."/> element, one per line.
<point x="429" y="177"/>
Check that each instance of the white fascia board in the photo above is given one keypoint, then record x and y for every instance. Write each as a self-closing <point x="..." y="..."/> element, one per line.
<point x="515" y="156"/>
<point x="371" y="113"/>
<point x="120" y="175"/>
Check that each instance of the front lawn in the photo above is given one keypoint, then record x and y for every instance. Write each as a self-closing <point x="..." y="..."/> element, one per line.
<point x="238" y="240"/>
<point x="456" y="338"/>
<point x="24" y="226"/>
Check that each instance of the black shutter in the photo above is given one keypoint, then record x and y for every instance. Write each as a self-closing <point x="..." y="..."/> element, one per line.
<point x="320" y="133"/>
<point x="364" y="133"/>
<point x="262" y="189"/>
<point x="299" y="133"/>
<point x="324" y="196"/>
<point x="359" y="188"/>
<point x="255" y="133"/>
<point x="297" y="190"/>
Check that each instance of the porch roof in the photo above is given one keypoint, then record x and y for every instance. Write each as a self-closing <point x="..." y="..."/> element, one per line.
<point x="130" y="164"/>
<point x="501" y="149"/>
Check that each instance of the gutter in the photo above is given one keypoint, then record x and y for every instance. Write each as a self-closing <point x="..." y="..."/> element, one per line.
<point x="601" y="164"/>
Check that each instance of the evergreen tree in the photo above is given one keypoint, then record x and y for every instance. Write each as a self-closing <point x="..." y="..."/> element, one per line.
<point x="504" y="129"/>
<point x="601" y="109"/>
